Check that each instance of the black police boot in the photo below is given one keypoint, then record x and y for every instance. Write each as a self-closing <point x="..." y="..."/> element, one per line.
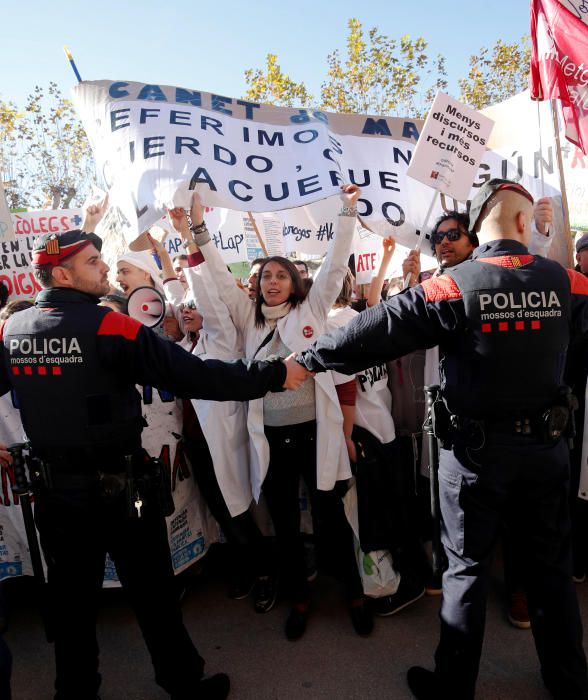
<point x="295" y="625"/>
<point x="424" y="684"/>
<point x="214" y="687"/>
<point x="361" y="617"/>
<point x="429" y="685"/>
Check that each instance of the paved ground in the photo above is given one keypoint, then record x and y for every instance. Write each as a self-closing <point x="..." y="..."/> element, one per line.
<point x="330" y="662"/>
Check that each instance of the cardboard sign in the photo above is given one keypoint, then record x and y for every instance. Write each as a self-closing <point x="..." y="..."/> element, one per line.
<point x="451" y="147"/>
<point x="16" y="271"/>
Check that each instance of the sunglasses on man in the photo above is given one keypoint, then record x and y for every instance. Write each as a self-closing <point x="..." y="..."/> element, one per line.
<point x="454" y="234"/>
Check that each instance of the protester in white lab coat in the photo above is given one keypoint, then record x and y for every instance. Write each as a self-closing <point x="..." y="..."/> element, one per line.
<point x="299" y="433"/>
<point x="221" y="464"/>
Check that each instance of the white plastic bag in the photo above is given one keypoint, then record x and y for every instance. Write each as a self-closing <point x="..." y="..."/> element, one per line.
<point x="376" y="569"/>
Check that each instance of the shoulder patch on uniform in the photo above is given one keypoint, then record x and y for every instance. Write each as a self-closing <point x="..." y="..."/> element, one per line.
<point x="511" y="261"/>
<point x="114" y="323"/>
<point x="441" y="288"/>
<point x="578" y="282"/>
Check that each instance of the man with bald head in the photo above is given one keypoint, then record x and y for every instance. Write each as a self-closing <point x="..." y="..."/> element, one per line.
<point x="503" y="321"/>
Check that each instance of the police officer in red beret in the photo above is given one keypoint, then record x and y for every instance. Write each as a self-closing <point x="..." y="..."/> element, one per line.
<point x="74" y="366"/>
<point x="503" y="320"/>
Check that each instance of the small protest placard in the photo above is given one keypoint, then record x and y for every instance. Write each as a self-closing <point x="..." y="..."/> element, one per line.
<point x="450" y="147"/>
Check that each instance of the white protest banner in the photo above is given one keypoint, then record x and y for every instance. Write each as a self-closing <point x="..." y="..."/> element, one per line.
<point x="309" y="229"/>
<point x="366" y="249"/>
<point x="151" y="151"/>
<point x="450" y="148"/>
<point x="515" y="138"/>
<point x="6" y="228"/>
<point x="230" y="235"/>
<point x="153" y="143"/>
<point x="16" y="255"/>
<point x="373" y="152"/>
<point x="36" y="223"/>
<point x="576" y="174"/>
<point x="235" y="236"/>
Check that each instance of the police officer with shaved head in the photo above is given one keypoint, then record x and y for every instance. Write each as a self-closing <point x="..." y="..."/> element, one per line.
<point x="503" y="320"/>
<point x="73" y="365"/>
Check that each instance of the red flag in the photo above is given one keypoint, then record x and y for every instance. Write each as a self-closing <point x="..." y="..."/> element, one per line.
<point x="559" y="62"/>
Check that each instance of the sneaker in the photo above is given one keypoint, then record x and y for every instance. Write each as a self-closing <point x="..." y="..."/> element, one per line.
<point x="579" y="575"/>
<point x="409" y="591"/>
<point x="241" y="588"/>
<point x="265" y="592"/>
<point x="361" y="617"/>
<point x="518" y="611"/>
<point x="296" y="622"/>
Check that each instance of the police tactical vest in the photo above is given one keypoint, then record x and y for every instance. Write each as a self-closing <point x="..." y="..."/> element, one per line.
<point x="68" y="398"/>
<point x="511" y="357"/>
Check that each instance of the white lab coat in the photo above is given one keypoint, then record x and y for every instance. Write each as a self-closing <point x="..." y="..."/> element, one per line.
<point x="224" y="423"/>
<point x="298" y="330"/>
<point x="373" y="405"/>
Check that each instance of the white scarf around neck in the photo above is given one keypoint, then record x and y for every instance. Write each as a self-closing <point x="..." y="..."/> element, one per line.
<point x="273" y="313"/>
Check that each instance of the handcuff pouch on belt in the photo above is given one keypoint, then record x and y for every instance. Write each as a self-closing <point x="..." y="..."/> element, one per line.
<point x="560" y="419"/>
<point x="145" y="482"/>
<point x="441" y="423"/>
<point x="160" y="484"/>
<point x="111" y="486"/>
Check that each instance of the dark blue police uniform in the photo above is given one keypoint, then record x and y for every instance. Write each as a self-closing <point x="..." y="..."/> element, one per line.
<point x="74" y="366"/>
<point x="503" y="321"/>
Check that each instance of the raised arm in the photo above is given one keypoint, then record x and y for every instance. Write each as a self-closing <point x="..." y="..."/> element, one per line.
<point x="94" y="215"/>
<point x="327" y="283"/>
<point x="377" y="283"/>
<point x="237" y="302"/>
<point x="172" y="287"/>
<point x="412" y="266"/>
<point x="541" y="234"/>
<point x="222" y="338"/>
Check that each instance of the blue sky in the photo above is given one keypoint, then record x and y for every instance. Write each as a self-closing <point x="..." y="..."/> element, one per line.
<point x="208" y="44"/>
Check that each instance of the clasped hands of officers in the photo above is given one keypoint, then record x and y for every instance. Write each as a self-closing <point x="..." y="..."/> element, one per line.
<point x="296" y="374"/>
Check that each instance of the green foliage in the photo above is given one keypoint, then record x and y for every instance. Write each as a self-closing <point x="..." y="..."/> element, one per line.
<point x="381" y="75"/>
<point x="378" y="75"/>
<point x="275" y="87"/>
<point x="45" y="156"/>
<point x="396" y="77"/>
<point x="497" y="74"/>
